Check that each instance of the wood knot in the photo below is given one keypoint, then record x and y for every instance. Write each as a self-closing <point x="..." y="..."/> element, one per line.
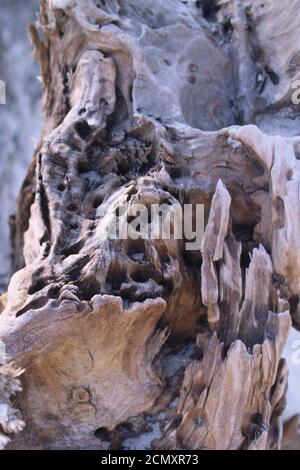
<point x="80" y="395"/>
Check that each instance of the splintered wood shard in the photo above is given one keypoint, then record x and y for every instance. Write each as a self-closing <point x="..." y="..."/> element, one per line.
<point x="212" y="250"/>
<point x="278" y="156"/>
<point x="240" y="382"/>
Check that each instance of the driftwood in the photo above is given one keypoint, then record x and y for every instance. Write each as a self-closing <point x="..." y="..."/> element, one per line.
<point x="116" y="336"/>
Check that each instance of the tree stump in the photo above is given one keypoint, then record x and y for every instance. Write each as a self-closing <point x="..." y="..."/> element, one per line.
<point x="161" y="102"/>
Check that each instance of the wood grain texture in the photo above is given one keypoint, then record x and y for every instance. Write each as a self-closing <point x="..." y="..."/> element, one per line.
<point x="163" y="103"/>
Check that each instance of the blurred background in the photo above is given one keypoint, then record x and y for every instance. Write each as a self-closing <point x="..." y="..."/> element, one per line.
<point x="20" y="124"/>
<point x="20" y="118"/>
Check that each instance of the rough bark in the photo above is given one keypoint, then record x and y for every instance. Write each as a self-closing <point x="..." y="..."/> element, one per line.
<point x="159" y="103"/>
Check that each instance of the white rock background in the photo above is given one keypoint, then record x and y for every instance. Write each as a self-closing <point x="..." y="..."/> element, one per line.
<point x="292" y="355"/>
<point x="20" y="122"/>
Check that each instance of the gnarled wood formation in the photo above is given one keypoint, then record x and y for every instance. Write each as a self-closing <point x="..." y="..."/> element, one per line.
<point x="127" y="90"/>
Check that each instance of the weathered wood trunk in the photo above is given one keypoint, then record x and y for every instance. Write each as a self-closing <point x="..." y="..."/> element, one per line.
<point x="139" y="342"/>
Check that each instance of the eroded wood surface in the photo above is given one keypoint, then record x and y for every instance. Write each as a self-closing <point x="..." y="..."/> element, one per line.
<point x="156" y="104"/>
